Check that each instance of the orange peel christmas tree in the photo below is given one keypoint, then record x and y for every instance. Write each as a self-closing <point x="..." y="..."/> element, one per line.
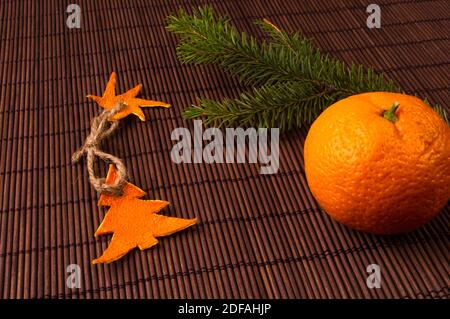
<point x="134" y="221"/>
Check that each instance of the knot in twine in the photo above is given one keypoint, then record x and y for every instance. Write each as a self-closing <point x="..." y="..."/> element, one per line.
<point x="102" y="127"/>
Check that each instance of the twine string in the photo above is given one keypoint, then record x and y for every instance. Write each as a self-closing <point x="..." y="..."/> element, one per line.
<point x="102" y="127"/>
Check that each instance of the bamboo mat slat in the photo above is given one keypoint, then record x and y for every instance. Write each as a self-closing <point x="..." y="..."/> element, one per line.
<point x="259" y="236"/>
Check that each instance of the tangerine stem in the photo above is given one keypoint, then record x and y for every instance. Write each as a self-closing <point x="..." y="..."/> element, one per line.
<point x="390" y="114"/>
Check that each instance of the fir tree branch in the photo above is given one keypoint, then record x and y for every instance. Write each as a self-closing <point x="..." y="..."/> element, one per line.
<point x="294" y="75"/>
<point x="292" y="104"/>
<point x="205" y="39"/>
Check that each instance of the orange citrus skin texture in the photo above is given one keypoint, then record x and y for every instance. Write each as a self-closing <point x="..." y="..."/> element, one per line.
<point x="375" y="175"/>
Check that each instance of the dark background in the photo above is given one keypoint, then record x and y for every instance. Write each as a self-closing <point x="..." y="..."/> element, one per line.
<point x="259" y="236"/>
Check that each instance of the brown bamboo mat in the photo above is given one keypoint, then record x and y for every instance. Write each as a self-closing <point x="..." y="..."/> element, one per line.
<point x="259" y="235"/>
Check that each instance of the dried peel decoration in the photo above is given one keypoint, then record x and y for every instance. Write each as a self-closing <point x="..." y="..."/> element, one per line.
<point x="132" y="105"/>
<point x="103" y="125"/>
<point x="134" y="222"/>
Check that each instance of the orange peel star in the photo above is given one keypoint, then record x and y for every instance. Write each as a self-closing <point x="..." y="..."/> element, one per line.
<point x="134" y="222"/>
<point x="132" y="105"/>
